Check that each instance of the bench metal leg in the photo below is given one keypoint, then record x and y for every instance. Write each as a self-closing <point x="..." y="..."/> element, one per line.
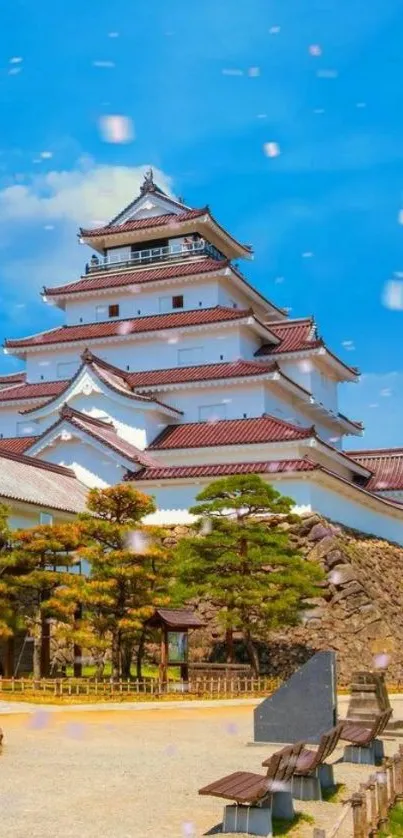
<point x="306" y="787"/>
<point x="252" y="820"/>
<point x="372" y="754"/>
<point x="282" y="805"/>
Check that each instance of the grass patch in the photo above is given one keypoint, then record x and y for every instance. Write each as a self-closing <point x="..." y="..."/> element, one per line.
<point x="333" y="793"/>
<point x="395" y="823"/>
<point x="283" y="827"/>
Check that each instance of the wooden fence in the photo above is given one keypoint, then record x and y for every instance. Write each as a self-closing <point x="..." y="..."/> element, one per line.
<point x="368" y="808"/>
<point x="109" y="688"/>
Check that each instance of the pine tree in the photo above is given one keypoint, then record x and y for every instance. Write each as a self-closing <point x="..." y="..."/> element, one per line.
<point x="241" y="564"/>
<point x="7" y="609"/>
<point x="128" y="576"/>
<point x="36" y="567"/>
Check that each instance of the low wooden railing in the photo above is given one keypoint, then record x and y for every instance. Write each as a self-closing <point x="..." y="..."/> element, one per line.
<point x="368" y="808"/>
<point x="204" y="687"/>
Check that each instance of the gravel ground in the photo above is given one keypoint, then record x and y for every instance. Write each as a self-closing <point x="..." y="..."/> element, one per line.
<point x="133" y="774"/>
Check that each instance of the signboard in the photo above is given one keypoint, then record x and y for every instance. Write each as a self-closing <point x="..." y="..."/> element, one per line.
<point x="177" y="646"/>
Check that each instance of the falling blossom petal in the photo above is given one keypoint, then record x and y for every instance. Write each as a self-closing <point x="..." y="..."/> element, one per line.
<point x="381" y="661"/>
<point x="400" y="216"/>
<point x="113" y="34"/>
<point x="138" y="541"/>
<point x="279" y="279"/>
<point x="39" y="720"/>
<point x="307" y="254"/>
<point x="315" y="50"/>
<point x="16" y="59"/>
<point x="271" y="149"/>
<point x="188" y="829"/>
<point x="348" y="344"/>
<point x="274" y="30"/>
<point x="46" y="155"/>
<point x="125" y="328"/>
<point x="116" y="129"/>
<point x="206" y="526"/>
<point x="254" y="71"/>
<point x="393" y="295"/>
<point x="229" y="72"/>
<point x="103" y="64"/>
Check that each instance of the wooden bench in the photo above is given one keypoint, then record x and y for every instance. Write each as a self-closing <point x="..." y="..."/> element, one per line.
<point x="311" y="773"/>
<point x="365" y="748"/>
<point x="257" y="798"/>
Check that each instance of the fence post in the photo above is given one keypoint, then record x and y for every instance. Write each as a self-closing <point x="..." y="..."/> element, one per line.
<point x="358" y="806"/>
<point x="373" y="817"/>
<point x="381" y="780"/>
<point x="390" y="769"/>
<point x="399" y="773"/>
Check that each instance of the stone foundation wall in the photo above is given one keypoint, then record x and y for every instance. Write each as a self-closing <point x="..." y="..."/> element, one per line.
<point x="359" y="614"/>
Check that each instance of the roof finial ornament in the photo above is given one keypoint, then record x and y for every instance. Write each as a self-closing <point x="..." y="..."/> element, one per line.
<point x="148" y="185"/>
<point x="87" y="356"/>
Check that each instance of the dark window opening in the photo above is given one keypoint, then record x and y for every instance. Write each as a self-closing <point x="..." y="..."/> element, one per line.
<point x="177" y="302"/>
<point x="113" y="311"/>
<point x="221" y="357"/>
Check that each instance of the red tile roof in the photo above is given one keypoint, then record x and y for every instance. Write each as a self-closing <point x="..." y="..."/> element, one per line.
<point x="151" y="323"/>
<point x="38" y="390"/>
<point x="138" y="277"/>
<point x="297" y="336"/>
<point x="12" y="378"/>
<point x="229" y="432"/>
<point x="294" y="335"/>
<point x="39" y="483"/>
<point x="16" y="444"/>
<point x="144" y="223"/>
<point x="222" y="469"/>
<point x="386" y="465"/>
<point x="203" y="372"/>
<point x="104" y="432"/>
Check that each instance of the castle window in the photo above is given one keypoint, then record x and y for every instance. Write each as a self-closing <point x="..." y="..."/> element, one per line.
<point x="113" y="310"/>
<point x="46" y="518"/>
<point x="177" y="302"/>
<point x="212" y="412"/>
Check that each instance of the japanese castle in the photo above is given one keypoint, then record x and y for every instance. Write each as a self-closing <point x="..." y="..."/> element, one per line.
<point x="171" y="370"/>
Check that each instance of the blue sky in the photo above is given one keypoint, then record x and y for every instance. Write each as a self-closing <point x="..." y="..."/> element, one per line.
<point x="207" y="85"/>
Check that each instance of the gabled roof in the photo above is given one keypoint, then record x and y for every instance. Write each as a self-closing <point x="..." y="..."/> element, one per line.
<point x="229" y="432"/>
<point x="143" y="223"/>
<point x="96" y="282"/>
<point x="298" y="336"/>
<point x="294" y="336"/>
<point x="103" y="432"/>
<point x="16" y="444"/>
<point x="386" y="465"/>
<point x="42" y="484"/>
<point x="114" y="378"/>
<point x="138" y="325"/>
<point x="222" y="469"/>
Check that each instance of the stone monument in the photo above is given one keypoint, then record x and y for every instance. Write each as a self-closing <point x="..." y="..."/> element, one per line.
<point x="304" y="707"/>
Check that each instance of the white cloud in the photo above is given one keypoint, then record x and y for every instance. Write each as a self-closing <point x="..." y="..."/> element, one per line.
<point x="79" y="195"/>
<point x="382" y="419"/>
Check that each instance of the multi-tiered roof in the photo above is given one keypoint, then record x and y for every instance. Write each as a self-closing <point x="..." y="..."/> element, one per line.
<point x="288" y="425"/>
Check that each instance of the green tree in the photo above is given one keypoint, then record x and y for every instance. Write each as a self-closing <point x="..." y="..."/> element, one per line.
<point x="241" y="564"/>
<point x="7" y="605"/>
<point x="128" y="571"/>
<point x="37" y="565"/>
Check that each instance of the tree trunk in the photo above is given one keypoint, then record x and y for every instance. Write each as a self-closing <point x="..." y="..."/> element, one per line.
<point x="36" y="658"/>
<point x="127" y="655"/>
<point x="229" y="645"/>
<point x="252" y="652"/>
<point x="140" y="654"/>
<point x="116" y="655"/>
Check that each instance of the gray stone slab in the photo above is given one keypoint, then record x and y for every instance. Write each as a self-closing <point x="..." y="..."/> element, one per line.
<point x="372" y="754"/>
<point x="304" y="707"/>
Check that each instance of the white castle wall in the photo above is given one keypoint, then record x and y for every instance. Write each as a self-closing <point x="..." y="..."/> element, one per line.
<point x="140" y="302"/>
<point x="94" y="468"/>
<point x="174" y="501"/>
<point x="160" y="350"/>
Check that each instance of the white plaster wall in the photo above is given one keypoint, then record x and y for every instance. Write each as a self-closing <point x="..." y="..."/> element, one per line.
<point x="253" y="399"/>
<point x="158" y="351"/>
<point x="141" y="302"/>
<point x="346" y="511"/>
<point x="92" y="467"/>
<point x="324" y="389"/>
<point x="249" y="344"/>
<point x="24" y="515"/>
<point x="174" y="501"/>
<point x="231" y="454"/>
<point x="9" y="417"/>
